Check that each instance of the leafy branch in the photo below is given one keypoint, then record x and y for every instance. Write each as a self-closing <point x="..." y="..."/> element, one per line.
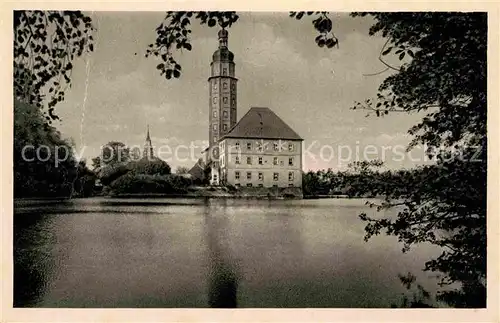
<point x="45" y="45"/>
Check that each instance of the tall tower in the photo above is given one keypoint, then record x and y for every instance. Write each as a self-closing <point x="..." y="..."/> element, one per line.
<point x="222" y="85"/>
<point x="148" y="147"/>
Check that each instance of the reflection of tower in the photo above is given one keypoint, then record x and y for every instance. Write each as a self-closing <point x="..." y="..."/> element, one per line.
<point x="222" y="105"/>
<point x="148" y="147"/>
<point x="223" y="281"/>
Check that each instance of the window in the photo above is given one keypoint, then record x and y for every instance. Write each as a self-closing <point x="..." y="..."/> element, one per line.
<point x="249" y="160"/>
<point x="290" y="185"/>
<point x="215" y="126"/>
<point x="261" y="176"/>
<point x="260" y="160"/>
<point x="249" y="175"/>
<point x="275" y="185"/>
<point x="237" y="161"/>
<point x="224" y="114"/>
<point x="233" y="101"/>
<point x="224" y="99"/>
<point x="224" y="127"/>
<point x="237" y="175"/>
<point x="237" y="185"/>
<point x="237" y="146"/>
<point x="290" y="147"/>
<point x="275" y="145"/>
<point x="224" y="71"/>
<point x="215" y="138"/>
<point x="214" y="100"/>
<point x="290" y="161"/>
<point x="215" y="85"/>
<point x="215" y="177"/>
<point x="290" y="176"/>
<point x="224" y="85"/>
<point x="249" y="146"/>
<point x="275" y="161"/>
<point x="249" y="184"/>
<point x="276" y="176"/>
<point x="233" y="86"/>
<point x="261" y="185"/>
<point x="215" y="113"/>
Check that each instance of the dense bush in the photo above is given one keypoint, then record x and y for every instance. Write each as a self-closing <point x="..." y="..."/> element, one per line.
<point x="132" y="183"/>
<point x="109" y="173"/>
<point x="154" y="166"/>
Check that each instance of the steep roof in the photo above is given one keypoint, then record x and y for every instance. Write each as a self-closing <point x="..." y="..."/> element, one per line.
<point x="262" y="123"/>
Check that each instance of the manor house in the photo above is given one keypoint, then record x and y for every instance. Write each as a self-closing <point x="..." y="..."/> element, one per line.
<point x="260" y="150"/>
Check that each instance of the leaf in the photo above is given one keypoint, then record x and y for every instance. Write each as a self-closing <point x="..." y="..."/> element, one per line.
<point x="387" y="51"/>
<point x="402" y="55"/>
<point x="410" y="52"/>
<point x="187" y="46"/>
<point x="177" y="74"/>
<point x="211" y="22"/>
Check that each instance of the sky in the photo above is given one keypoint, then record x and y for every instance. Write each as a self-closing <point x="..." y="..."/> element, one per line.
<point x="116" y="91"/>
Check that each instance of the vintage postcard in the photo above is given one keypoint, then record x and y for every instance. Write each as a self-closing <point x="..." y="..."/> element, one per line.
<point x="313" y="163"/>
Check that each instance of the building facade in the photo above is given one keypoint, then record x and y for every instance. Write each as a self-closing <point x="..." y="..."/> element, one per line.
<point x="261" y="151"/>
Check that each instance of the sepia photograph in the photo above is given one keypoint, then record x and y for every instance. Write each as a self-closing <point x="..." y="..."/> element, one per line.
<point x="249" y="159"/>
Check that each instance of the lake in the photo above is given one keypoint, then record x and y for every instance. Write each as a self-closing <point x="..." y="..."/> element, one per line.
<point x="103" y="252"/>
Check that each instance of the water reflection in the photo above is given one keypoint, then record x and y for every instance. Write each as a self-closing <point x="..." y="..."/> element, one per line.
<point x="223" y="279"/>
<point x="33" y="264"/>
<point x="212" y="253"/>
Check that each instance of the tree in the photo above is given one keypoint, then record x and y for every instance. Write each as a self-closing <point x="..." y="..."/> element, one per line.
<point x="45" y="46"/>
<point x="442" y="72"/>
<point x="44" y="164"/>
<point x="83" y="185"/>
<point x="181" y="170"/>
<point x="445" y="203"/>
<point x="114" y="152"/>
<point x="96" y="163"/>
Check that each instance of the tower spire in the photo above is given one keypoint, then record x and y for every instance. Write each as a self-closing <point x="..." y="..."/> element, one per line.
<point x="148" y="147"/>
<point x="223" y="34"/>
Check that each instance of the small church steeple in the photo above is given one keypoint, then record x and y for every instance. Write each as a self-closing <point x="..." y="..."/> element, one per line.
<point x="148" y="147"/>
